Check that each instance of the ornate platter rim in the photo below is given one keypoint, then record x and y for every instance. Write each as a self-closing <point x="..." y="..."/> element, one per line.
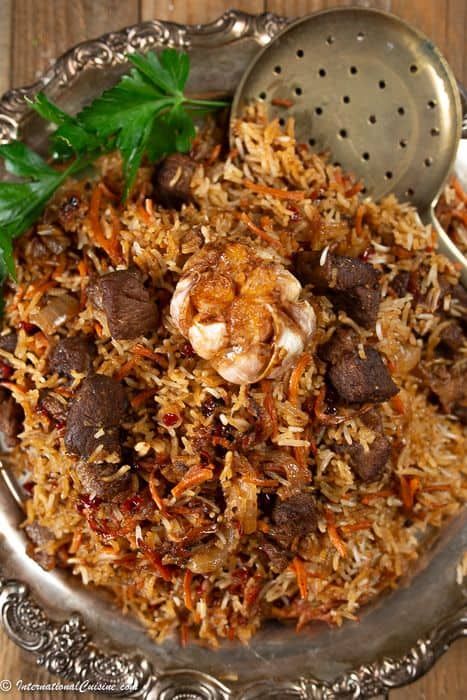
<point x="66" y="648"/>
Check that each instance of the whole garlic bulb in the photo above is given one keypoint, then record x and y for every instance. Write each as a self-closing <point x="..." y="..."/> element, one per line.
<point x="241" y="312"/>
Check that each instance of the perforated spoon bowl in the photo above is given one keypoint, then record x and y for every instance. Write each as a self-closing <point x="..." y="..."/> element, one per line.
<point x="373" y="91"/>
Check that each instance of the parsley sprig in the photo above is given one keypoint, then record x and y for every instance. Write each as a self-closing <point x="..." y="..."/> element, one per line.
<point x="146" y="114"/>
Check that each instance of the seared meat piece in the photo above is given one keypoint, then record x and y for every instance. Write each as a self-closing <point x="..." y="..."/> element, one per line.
<point x="277" y="557"/>
<point x="126" y="302"/>
<point x="400" y="283"/>
<point x="72" y="355"/>
<point x="343" y="340"/>
<point x="94" y="417"/>
<point x="352" y="285"/>
<point x="452" y="336"/>
<point x="294" y="517"/>
<point x="369" y="464"/>
<point x="71" y="211"/>
<point x="450" y="386"/>
<point x="172" y="181"/>
<point x="53" y="405"/>
<point x="360" y="303"/>
<point x="40" y="536"/>
<point x="338" y="271"/>
<point x="96" y="480"/>
<point x="11" y="419"/>
<point x="8" y="342"/>
<point x="372" y="419"/>
<point x="358" y="380"/>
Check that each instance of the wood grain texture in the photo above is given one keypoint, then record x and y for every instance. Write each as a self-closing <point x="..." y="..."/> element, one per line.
<point x="34" y="32"/>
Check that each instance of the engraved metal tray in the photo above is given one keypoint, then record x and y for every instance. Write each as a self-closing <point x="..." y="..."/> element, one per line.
<point x="78" y="633"/>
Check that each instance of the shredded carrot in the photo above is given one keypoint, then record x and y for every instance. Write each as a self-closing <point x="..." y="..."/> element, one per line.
<point x="273" y="191"/>
<point x="125" y="370"/>
<point x="459" y="190"/>
<point x="296" y="375"/>
<point x="266" y="483"/>
<point x="263" y="526"/>
<point x="260" y="232"/>
<point x="300" y="456"/>
<point x="301" y="574"/>
<point x="367" y="498"/>
<point x="354" y="527"/>
<point x="409" y="485"/>
<point x="141" y="351"/>
<point x="193" y="477"/>
<point x="39" y="287"/>
<point x="83" y="268"/>
<point x="13" y="387"/>
<point x="110" y="245"/>
<point x="98" y="329"/>
<point x="108" y="192"/>
<point x="156" y="497"/>
<point x="397" y="404"/>
<point x="357" y="187"/>
<point x="334" y="535"/>
<point x="281" y="102"/>
<point x="359" y="219"/>
<point x="143" y="212"/>
<point x="141" y="397"/>
<point x="155" y="560"/>
<point x="265" y="221"/>
<point x="269" y="405"/>
<point x="187" y="590"/>
<point x="460" y="215"/>
<point x="214" y="155"/>
<point x="436" y="487"/>
<point x="149" y="206"/>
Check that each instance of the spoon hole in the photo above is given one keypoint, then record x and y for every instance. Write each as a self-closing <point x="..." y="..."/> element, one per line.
<point x="372" y="119"/>
<point x="337" y="164"/>
<point x="262" y="95"/>
<point x="410" y="192"/>
<point x="343" y="133"/>
<point x="413" y="68"/>
<point x="388" y="175"/>
<point x="322" y="73"/>
<point x="363" y="190"/>
<point x="434" y="131"/>
<point x="401" y="111"/>
<point x="382" y="84"/>
<point x="428" y="161"/>
<point x="366" y="156"/>
<point x="360" y="36"/>
<point x="300" y="53"/>
<point x="318" y="111"/>
<point x="277" y="70"/>
<point x="431" y="104"/>
<point x="403" y="143"/>
<point x="353" y="70"/>
<point x="312" y="142"/>
<point x="330" y="40"/>
<point x="298" y="91"/>
<point x="346" y="99"/>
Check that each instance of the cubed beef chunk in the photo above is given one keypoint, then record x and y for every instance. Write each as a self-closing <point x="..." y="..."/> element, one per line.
<point x="8" y="341"/>
<point x="369" y="463"/>
<point x="352" y="285"/>
<point x="172" y="181"/>
<point x="294" y="517"/>
<point x="344" y="339"/>
<point x="72" y="355"/>
<point x="450" y="387"/>
<point x="337" y="271"/>
<point x="126" y="302"/>
<point x="95" y="416"/>
<point x="39" y="536"/>
<point x="11" y="419"/>
<point x="53" y="406"/>
<point x="358" y="380"/>
<point x="98" y="480"/>
<point x="276" y="557"/>
<point x="400" y="283"/>
<point x="452" y="336"/>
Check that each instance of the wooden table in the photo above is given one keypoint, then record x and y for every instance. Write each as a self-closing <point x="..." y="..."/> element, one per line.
<point x="34" y="32"/>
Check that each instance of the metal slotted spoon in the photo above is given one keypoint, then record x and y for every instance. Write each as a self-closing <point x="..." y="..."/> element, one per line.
<point x="373" y="91"/>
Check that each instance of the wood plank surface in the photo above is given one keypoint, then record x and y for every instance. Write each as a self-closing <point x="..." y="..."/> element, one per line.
<point x="34" y="32"/>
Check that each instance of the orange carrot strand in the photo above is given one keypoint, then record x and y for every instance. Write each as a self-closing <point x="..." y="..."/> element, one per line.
<point x="274" y="192"/>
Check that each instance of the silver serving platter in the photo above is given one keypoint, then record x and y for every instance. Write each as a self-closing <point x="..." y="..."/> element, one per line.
<point x="78" y="633"/>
